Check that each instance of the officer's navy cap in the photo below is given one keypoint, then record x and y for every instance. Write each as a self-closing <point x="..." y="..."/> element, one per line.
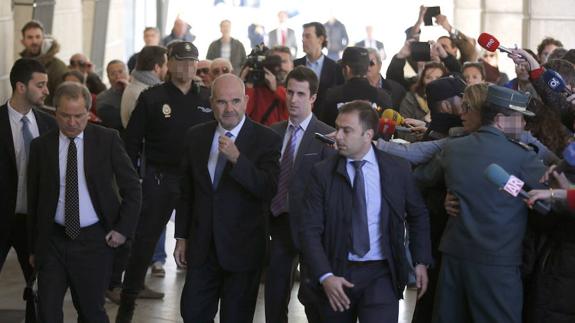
<point x="183" y="50"/>
<point x="509" y="99"/>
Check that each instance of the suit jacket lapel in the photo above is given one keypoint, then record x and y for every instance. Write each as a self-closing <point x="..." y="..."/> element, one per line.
<point x="306" y="141"/>
<point x="388" y="183"/>
<point x="6" y="133"/>
<point x="90" y="157"/>
<point x="40" y="121"/>
<point x="244" y="141"/>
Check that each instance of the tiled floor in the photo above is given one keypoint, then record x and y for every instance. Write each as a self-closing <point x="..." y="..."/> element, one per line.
<point x="154" y="311"/>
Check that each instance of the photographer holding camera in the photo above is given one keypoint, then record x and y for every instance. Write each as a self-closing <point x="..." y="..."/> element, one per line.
<point x="267" y="96"/>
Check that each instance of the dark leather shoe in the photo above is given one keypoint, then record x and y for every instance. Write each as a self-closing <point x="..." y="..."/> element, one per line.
<point x="125" y="312"/>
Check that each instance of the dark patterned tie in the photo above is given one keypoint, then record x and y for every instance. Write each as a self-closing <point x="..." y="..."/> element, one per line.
<point x="279" y="202"/>
<point x="360" y="233"/>
<point x="220" y="165"/>
<point x="26" y="135"/>
<point x="71" y="199"/>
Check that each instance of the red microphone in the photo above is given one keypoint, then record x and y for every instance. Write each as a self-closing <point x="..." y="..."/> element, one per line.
<point x="491" y="43"/>
<point x="386" y="127"/>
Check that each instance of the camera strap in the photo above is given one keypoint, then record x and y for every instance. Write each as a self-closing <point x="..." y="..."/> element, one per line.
<point x="269" y="111"/>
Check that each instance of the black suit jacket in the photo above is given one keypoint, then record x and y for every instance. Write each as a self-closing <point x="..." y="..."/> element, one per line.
<point x="326" y="223"/>
<point x="8" y="168"/>
<point x="108" y="171"/>
<point x="233" y="216"/>
<point x="331" y="75"/>
<point x="310" y="152"/>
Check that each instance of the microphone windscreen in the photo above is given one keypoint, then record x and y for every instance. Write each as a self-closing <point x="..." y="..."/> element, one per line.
<point x="386" y="127"/>
<point x="554" y="80"/>
<point x="393" y="115"/>
<point x="496" y="175"/>
<point x="488" y="42"/>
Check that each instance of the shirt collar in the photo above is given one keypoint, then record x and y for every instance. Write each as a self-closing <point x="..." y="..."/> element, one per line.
<point x="318" y="62"/>
<point x="17" y="116"/>
<point x="304" y="123"/>
<point x="66" y="138"/>
<point x="369" y="157"/>
<point x="235" y="131"/>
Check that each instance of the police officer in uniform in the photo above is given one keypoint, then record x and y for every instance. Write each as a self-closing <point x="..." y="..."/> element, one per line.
<point x="479" y="279"/>
<point x="354" y="63"/>
<point x="160" y="120"/>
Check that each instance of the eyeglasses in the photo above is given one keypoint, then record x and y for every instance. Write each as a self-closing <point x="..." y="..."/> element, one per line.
<point x="205" y="70"/>
<point x="371" y="63"/>
<point x="79" y="63"/>
<point x="223" y="70"/>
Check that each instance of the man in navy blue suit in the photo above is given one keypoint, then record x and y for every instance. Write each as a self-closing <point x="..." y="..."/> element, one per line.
<point x="353" y="225"/>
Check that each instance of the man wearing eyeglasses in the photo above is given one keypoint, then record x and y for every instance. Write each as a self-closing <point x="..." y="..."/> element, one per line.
<point x="354" y="64"/>
<point x="203" y="72"/>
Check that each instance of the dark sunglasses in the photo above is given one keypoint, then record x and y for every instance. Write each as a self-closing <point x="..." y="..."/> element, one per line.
<point x="371" y="63"/>
<point x="205" y="70"/>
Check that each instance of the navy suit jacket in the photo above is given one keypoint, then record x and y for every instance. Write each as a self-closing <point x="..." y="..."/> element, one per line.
<point x="8" y="168"/>
<point x="233" y="216"/>
<point x="331" y="75"/>
<point x="310" y="152"/>
<point x="112" y="181"/>
<point x="326" y="220"/>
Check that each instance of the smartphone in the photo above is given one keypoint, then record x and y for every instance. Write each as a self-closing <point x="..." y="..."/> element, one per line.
<point x="429" y="14"/>
<point x="421" y="51"/>
<point x="324" y="138"/>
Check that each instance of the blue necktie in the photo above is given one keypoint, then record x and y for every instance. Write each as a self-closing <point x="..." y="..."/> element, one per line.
<point x="220" y="165"/>
<point x="26" y="135"/>
<point x="360" y="230"/>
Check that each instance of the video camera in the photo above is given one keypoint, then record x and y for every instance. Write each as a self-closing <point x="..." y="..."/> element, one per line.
<point x="259" y="59"/>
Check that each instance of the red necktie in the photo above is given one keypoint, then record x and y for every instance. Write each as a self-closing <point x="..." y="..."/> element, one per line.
<point x="284" y="38"/>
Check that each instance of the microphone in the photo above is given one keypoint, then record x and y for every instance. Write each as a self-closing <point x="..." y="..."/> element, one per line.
<point x="393" y="115"/>
<point x="386" y="127"/>
<point x="512" y="185"/>
<point x="491" y="43"/>
<point x="555" y="81"/>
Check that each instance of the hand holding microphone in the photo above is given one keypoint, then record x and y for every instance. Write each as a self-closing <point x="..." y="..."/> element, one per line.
<point x="513" y="186"/>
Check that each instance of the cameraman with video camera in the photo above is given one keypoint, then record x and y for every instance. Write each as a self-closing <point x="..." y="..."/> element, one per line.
<point x="267" y="96"/>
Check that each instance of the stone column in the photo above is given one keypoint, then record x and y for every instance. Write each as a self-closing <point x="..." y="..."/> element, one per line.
<point x="6" y="55"/>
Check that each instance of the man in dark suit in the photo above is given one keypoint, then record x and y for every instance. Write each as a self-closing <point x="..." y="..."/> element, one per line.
<point x="353" y="225"/>
<point x="283" y="36"/>
<point x="20" y="122"/>
<point x="300" y="152"/>
<point x="370" y="42"/>
<point x="84" y="198"/>
<point x="227" y="184"/>
<point x="314" y="39"/>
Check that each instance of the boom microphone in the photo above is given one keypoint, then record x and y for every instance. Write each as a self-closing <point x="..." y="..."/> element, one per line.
<point x="555" y="81"/>
<point x="512" y="185"/>
<point x="491" y="43"/>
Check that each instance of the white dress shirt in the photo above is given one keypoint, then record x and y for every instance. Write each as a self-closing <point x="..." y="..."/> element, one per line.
<point x="303" y="125"/>
<point x="88" y="214"/>
<point x="214" y="152"/>
<point x="373" y="201"/>
<point x="20" y="154"/>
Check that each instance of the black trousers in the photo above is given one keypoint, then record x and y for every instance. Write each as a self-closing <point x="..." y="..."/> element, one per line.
<point x="372" y="297"/>
<point x="281" y="269"/>
<point x="83" y="264"/>
<point x="17" y="239"/>
<point x="121" y="256"/>
<point x="160" y="190"/>
<point x="208" y="284"/>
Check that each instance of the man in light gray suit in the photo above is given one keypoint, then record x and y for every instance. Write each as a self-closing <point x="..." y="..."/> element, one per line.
<point x="283" y="36"/>
<point x="300" y="151"/>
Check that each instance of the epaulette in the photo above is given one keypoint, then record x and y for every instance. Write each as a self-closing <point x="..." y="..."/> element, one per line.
<point x="521" y="144"/>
